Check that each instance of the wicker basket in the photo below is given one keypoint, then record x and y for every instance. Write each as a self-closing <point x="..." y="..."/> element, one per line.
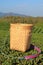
<point x="20" y="36"/>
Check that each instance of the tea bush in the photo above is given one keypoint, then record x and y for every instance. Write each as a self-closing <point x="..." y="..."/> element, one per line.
<point x="10" y="57"/>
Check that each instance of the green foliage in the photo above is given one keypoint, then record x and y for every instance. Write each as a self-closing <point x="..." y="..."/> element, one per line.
<point x="9" y="57"/>
<point x="4" y="25"/>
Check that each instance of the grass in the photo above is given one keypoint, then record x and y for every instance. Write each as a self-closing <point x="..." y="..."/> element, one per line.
<point x="7" y="56"/>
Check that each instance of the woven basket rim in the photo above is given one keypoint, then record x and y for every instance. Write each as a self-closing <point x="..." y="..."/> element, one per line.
<point x="22" y="24"/>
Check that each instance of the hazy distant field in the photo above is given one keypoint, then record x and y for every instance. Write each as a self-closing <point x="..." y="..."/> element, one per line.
<point x="7" y="56"/>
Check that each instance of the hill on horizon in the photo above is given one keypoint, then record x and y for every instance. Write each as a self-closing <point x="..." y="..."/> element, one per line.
<point x="10" y="14"/>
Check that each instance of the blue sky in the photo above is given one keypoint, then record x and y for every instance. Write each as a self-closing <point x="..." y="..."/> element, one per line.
<point x="27" y="7"/>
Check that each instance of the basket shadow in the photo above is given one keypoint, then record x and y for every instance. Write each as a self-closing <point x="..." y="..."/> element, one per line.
<point x="31" y="48"/>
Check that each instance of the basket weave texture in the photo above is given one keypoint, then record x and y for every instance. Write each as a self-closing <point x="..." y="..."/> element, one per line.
<point x="20" y="36"/>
